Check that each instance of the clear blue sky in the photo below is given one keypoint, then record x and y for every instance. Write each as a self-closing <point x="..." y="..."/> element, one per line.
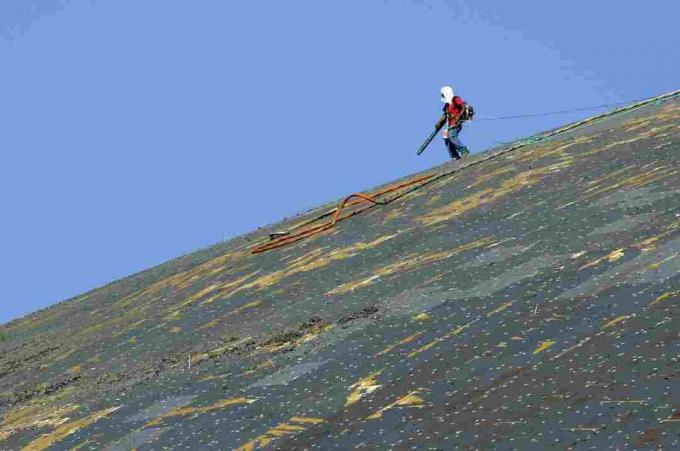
<point x="135" y="131"/>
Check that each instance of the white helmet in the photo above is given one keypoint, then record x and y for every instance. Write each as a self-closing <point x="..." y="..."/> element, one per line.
<point x="447" y="94"/>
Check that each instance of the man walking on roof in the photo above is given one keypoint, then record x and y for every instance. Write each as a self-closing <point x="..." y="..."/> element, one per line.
<point x="455" y="112"/>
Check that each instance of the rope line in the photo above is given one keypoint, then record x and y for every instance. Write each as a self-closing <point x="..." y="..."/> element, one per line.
<point x="550" y="113"/>
<point x="281" y="239"/>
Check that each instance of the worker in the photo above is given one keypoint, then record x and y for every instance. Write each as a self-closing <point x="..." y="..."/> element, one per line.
<point x="455" y="112"/>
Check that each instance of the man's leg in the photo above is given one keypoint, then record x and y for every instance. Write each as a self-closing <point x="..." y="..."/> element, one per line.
<point x="456" y="142"/>
<point x="453" y="153"/>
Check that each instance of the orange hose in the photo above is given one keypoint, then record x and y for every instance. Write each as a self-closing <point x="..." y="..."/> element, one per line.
<point x="337" y="217"/>
<point x="338" y="210"/>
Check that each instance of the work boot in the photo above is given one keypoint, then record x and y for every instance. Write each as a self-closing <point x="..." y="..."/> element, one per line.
<point x="453" y="153"/>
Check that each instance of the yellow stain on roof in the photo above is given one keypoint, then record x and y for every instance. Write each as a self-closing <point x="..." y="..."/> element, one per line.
<point x="433" y="185"/>
<point x="314" y="259"/>
<point x="81" y="445"/>
<point x="212" y="292"/>
<point x="498" y="243"/>
<point x="649" y="244"/>
<point x="485" y="177"/>
<point x="224" y="289"/>
<point x="595" y="187"/>
<point x="311" y="334"/>
<point x="433" y="199"/>
<point x="612" y="257"/>
<point x="302" y="259"/>
<point x="408" y="263"/>
<point x="403" y="341"/>
<point x="128" y="328"/>
<point x="657" y="265"/>
<point x="64" y="430"/>
<point x="669" y="110"/>
<point x="186" y="411"/>
<point x="568" y="350"/>
<point x="210" y="324"/>
<point x="343" y="253"/>
<point x="664" y="296"/>
<point x="615" y="144"/>
<point x="232" y="346"/>
<point x="244" y="307"/>
<point x="500" y="308"/>
<point x="631" y="181"/>
<point x="637" y="123"/>
<point x="269" y="363"/>
<point x="624" y="401"/>
<point x="616" y="320"/>
<point x="148" y="297"/>
<point x="550" y="150"/>
<point x="95" y="358"/>
<point x="292" y="427"/>
<point x="649" y="176"/>
<point x="615" y="255"/>
<point x="483" y="197"/>
<point x="208" y="378"/>
<point x="364" y="386"/>
<point x="64" y="355"/>
<point x="89" y="331"/>
<point x="411" y="399"/>
<point x="596" y="183"/>
<point x="457" y="331"/>
<point x="559" y="166"/>
<point x="664" y="130"/>
<point x="307" y="420"/>
<point x="392" y="214"/>
<point x="580" y="429"/>
<point x="33" y="416"/>
<point x="182" y="279"/>
<point x="543" y="346"/>
<point x="423" y="316"/>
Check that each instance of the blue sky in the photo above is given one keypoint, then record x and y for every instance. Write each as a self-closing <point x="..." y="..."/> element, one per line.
<point x="136" y="131"/>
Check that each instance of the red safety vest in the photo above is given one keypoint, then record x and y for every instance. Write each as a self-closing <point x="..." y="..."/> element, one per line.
<point x="454" y="109"/>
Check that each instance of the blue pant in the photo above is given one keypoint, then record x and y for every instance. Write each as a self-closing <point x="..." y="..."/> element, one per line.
<point x="453" y="143"/>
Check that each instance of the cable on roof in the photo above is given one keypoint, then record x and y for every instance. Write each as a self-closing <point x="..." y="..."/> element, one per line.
<point x="551" y="113"/>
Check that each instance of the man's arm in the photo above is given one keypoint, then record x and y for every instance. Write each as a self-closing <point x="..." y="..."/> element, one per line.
<point x="460" y="107"/>
<point x="440" y="123"/>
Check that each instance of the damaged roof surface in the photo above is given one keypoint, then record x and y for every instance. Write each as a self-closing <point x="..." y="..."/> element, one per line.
<point x="526" y="299"/>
